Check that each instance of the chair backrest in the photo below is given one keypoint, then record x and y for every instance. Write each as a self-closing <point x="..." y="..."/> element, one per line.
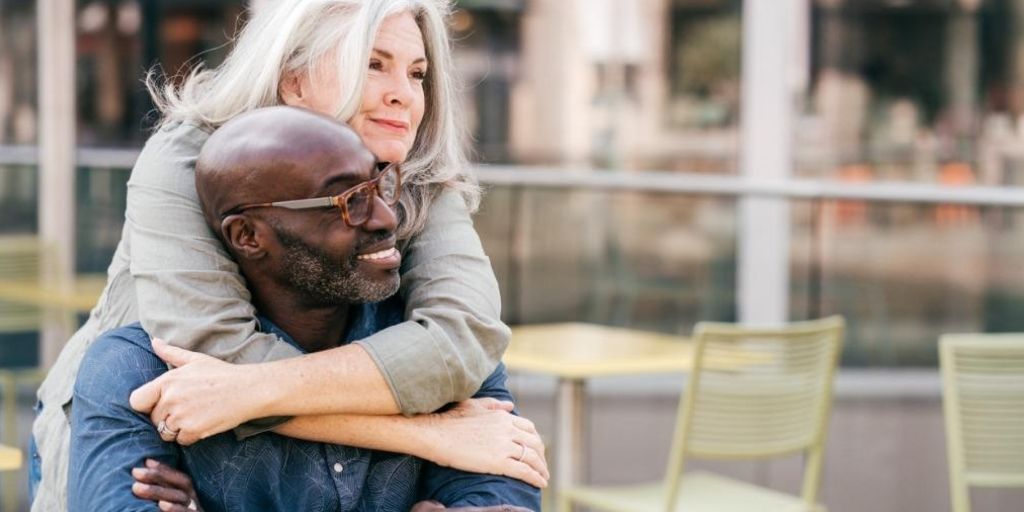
<point x="983" y="401"/>
<point x="20" y="260"/>
<point x="757" y="393"/>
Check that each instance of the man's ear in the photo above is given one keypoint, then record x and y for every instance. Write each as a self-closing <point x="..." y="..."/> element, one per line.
<point x="244" y="237"/>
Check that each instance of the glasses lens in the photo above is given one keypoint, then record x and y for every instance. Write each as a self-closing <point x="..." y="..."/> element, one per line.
<point x="387" y="185"/>
<point x="359" y="205"/>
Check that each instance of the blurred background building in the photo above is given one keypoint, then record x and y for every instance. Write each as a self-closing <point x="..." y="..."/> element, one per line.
<point x="606" y="125"/>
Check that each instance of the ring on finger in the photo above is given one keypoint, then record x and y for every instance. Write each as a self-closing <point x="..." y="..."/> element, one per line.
<point x="522" y="454"/>
<point x="192" y="505"/>
<point x="165" y="431"/>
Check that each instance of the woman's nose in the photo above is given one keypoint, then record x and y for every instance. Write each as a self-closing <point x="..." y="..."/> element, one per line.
<point x="399" y="91"/>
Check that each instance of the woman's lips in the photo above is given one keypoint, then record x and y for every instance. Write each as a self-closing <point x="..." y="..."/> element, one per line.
<point x="394" y="126"/>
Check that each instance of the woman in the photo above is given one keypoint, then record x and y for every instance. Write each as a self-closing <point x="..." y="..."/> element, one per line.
<point x="171" y="273"/>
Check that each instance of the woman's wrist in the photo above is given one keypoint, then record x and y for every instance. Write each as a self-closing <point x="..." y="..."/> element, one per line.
<point x="266" y="390"/>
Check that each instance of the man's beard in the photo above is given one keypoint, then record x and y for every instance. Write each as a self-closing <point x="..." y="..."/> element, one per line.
<point x="323" y="281"/>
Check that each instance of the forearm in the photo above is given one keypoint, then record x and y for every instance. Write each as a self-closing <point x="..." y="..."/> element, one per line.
<point x="393" y="433"/>
<point x="343" y="380"/>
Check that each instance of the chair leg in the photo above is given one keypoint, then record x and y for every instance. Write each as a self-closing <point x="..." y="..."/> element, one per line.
<point x="564" y="503"/>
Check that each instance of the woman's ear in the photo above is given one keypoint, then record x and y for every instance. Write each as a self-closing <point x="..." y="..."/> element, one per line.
<point x="291" y="90"/>
<point x="243" y="237"/>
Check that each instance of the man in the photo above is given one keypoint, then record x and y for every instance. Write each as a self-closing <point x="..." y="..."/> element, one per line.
<point x="300" y="203"/>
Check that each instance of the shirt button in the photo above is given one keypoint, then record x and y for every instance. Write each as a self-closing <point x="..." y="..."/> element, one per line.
<point x="338" y="467"/>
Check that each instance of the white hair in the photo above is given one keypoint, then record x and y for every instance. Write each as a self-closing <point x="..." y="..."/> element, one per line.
<point x="292" y="36"/>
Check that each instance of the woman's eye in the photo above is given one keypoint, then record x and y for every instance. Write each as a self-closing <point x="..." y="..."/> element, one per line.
<point x="376" y="64"/>
<point x="419" y="75"/>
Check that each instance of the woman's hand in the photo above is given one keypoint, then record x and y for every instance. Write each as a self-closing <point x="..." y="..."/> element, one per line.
<point x="483" y="436"/>
<point x="202" y="396"/>
<point x="171" y="489"/>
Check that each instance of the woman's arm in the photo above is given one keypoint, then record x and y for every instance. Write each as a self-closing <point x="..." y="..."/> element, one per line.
<point x="453" y="310"/>
<point x="475" y="437"/>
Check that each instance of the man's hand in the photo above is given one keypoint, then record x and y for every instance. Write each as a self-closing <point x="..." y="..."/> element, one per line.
<point x="482" y="436"/>
<point x="202" y="396"/>
<point x="433" y="506"/>
<point x="170" y="488"/>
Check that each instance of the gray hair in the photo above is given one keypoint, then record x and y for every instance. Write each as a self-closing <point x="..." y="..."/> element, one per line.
<point x="289" y="36"/>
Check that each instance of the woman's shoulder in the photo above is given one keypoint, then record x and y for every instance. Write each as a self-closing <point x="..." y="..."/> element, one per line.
<point x="178" y="136"/>
<point x="170" y="153"/>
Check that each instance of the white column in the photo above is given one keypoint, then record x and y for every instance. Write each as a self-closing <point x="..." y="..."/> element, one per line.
<point x="765" y="155"/>
<point x="56" y="40"/>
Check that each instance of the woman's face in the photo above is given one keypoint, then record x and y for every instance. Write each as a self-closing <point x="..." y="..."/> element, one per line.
<point x="392" y="105"/>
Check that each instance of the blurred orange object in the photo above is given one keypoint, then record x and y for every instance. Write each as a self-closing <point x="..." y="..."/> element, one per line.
<point x="849" y="212"/>
<point x="956" y="174"/>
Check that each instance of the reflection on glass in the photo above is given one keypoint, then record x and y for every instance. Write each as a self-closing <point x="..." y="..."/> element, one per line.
<point x="643" y="260"/>
<point x="902" y="274"/>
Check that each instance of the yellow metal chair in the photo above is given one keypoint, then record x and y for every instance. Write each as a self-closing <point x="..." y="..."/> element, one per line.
<point x="983" y="400"/>
<point x="753" y="394"/>
<point x="20" y="261"/>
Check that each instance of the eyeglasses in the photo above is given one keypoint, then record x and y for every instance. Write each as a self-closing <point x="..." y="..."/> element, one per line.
<point x="356" y="203"/>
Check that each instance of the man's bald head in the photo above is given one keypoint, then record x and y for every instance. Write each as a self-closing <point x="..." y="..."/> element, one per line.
<point x="270" y="154"/>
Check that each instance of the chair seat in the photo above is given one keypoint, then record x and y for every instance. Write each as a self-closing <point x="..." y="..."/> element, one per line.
<point x="700" y="492"/>
<point x="10" y="458"/>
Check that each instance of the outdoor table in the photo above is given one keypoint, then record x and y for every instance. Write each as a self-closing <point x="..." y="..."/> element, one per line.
<point x="10" y="458"/>
<point x="575" y="352"/>
<point x="80" y="297"/>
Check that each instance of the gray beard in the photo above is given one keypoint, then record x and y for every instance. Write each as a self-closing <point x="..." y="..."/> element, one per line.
<point x="322" y="281"/>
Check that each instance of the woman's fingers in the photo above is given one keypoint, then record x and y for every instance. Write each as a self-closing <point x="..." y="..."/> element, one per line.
<point x="146" y="396"/>
<point x="523" y="471"/>
<point x="495" y="404"/>
<point x="532" y="455"/>
<point x="524" y="424"/>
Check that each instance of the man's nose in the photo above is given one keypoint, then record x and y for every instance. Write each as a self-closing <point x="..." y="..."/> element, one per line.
<point x="384" y="217"/>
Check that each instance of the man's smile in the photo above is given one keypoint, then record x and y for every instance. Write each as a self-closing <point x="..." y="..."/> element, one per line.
<point x="387" y="258"/>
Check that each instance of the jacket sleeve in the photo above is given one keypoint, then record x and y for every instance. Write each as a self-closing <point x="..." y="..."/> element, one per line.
<point x="108" y="437"/>
<point x="453" y="336"/>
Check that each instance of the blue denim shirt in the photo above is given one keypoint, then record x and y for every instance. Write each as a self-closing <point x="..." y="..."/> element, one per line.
<point x="260" y="473"/>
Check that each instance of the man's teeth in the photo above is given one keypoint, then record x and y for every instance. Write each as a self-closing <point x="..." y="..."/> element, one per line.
<point x="386" y="253"/>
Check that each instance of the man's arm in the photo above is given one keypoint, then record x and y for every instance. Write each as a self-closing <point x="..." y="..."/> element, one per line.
<point x="108" y="438"/>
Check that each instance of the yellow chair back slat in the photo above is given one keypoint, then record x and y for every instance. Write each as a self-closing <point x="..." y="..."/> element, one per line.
<point x="20" y="260"/>
<point x="983" y="403"/>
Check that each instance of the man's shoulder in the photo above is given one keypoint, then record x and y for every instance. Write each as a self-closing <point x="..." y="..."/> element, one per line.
<point x="131" y="334"/>
<point x="119" y="358"/>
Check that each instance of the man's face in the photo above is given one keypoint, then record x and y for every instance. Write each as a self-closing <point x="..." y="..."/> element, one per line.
<point x="324" y="280"/>
<point x="326" y="261"/>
